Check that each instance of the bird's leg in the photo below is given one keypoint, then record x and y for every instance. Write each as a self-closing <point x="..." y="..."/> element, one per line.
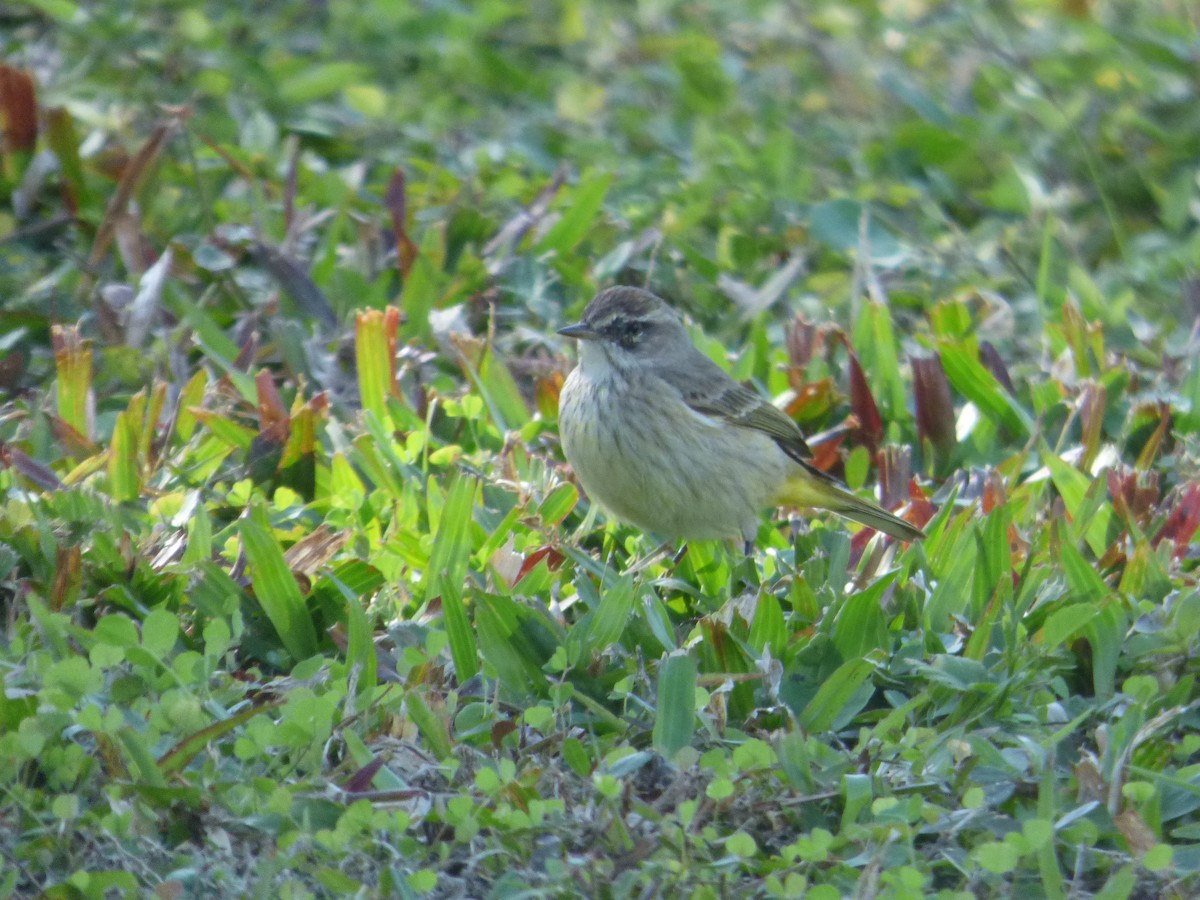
<point x="679" y="555"/>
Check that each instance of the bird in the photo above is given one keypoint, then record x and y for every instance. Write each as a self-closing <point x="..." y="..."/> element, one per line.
<point x="668" y="441"/>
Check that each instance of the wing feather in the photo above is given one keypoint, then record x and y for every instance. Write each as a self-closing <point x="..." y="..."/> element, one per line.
<point x="710" y="391"/>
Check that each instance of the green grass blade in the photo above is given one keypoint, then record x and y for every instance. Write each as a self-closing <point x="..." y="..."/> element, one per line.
<point x="971" y="379"/>
<point x="608" y="621"/>
<point x="675" y="719"/>
<point x="833" y="696"/>
<point x="360" y="651"/>
<point x="584" y="205"/>
<point x="374" y="359"/>
<point x="448" y="569"/>
<point x="124" y="472"/>
<point x="275" y="587"/>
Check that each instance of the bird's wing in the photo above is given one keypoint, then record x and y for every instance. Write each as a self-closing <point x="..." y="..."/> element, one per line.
<point x="708" y="389"/>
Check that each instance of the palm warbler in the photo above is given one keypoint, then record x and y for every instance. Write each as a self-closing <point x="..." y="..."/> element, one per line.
<point x="667" y="440"/>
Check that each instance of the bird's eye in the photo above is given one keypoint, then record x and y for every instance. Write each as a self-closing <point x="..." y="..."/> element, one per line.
<point x="629" y="332"/>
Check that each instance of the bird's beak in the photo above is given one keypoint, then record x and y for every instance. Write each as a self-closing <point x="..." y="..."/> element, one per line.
<point x="580" y="331"/>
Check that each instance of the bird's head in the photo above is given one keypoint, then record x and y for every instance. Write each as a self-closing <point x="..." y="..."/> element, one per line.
<point x="625" y="326"/>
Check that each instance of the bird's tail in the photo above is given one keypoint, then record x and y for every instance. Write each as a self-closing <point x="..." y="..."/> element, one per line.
<point x="810" y="487"/>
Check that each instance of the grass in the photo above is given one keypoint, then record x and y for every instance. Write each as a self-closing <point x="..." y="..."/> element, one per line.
<point x="300" y="597"/>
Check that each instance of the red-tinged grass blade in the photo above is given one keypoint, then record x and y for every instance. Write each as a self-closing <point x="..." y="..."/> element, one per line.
<point x="27" y="467"/>
<point x="803" y="342"/>
<point x="875" y="342"/>
<point x="935" y="405"/>
<point x="546" y="390"/>
<point x="547" y="554"/>
<point x="582" y="206"/>
<point x="177" y="758"/>
<point x="895" y="474"/>
<point x="1135" y="494"/>
<point x="675" y="716"/>
<point x="18" y="111"/>
<point x="397" y="206"/>
<point x="825" y="447"/>
<point x="832" y="697"/>
<point x="374" y="342"/>
<point x="63" y="141"/>
<point x="971" y="379"/>
<point x="1182" y="521"/>
<point x="1075" y="331"/>
<point x="73" y="390"/>
<point x="124" y="468"/>
<point x="273" y="418"/>
<point x="131" y="176"/>
<point x="75" y="444"/>
<point x="862" y="404"/>
<point x="308" y="555"/>
<point x="246" y="353"/>
<point x="275" y="588"/>
<point x="13" y="365"/>
<point x="448" y="570"/>
<point x="1091" y="421"/>
<point x="68" y="577"/>
<point x="994" y="363"/>
<point x="920" y="510"/>
<point x="360" y="781"/>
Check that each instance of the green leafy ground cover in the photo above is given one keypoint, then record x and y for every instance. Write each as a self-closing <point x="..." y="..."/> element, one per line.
<point x="298" y="595"/>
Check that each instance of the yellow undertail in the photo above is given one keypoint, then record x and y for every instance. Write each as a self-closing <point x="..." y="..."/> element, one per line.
<point x="813" y="489"/>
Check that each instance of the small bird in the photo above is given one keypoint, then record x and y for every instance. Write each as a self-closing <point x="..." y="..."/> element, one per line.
<point x="665" y="439"/>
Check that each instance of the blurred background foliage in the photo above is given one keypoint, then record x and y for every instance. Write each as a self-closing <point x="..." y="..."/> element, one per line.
<point x="299" y="596"/>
